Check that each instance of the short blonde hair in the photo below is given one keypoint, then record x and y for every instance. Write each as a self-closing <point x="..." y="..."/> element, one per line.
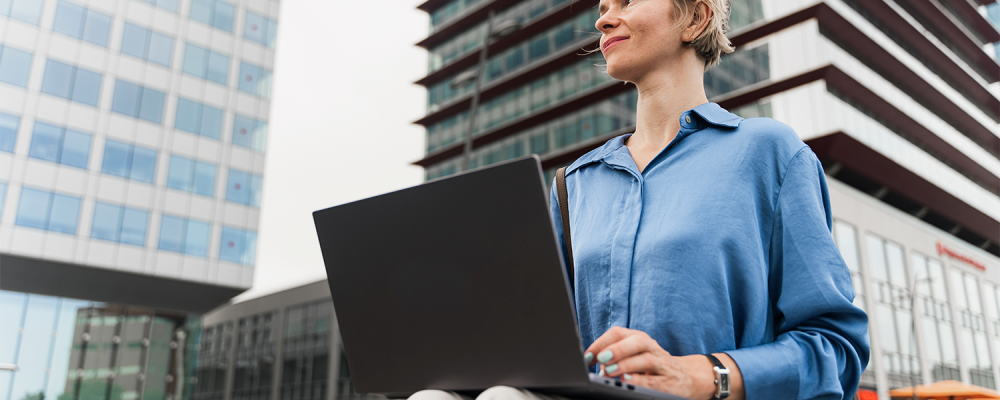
<point x="712" y="43"/>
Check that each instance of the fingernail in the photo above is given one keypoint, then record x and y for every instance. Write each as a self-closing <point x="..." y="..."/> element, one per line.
<point x="611" y="368"/>
<point x="605" y="356"/>
<point x="587" y="358"/>
<point x="628" y="377"/>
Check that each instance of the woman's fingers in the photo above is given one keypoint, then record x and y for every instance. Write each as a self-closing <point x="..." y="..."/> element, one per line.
<point x="633" y="365"/>
<point x="596" y="353"/>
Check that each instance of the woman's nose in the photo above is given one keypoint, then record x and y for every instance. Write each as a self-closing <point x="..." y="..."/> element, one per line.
<point x="607" y="21"/>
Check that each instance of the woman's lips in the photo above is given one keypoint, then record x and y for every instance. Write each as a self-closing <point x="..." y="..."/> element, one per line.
<point x="613" y="41"/>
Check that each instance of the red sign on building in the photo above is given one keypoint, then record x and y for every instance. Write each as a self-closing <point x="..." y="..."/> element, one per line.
<point x="947" y="251"/>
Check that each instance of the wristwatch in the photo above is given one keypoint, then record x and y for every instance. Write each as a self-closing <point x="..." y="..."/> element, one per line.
<point x="721" y="378"/>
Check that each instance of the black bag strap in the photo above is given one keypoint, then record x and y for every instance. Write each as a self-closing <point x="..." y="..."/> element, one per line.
<point x="564" y="211"/>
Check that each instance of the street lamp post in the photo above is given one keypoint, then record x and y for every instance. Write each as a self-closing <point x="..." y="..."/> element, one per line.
<point x="492" y="32"/>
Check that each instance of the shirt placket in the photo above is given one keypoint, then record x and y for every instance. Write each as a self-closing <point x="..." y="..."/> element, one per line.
<point x="622" y="250"/>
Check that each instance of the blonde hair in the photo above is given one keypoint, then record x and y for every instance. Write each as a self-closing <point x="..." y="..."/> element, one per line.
<point x="712" y="43"/>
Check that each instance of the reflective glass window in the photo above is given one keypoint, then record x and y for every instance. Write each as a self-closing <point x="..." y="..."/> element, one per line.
<point x="238" y="245"/>
<point x="47" y="210"/>
<point x="260" y="29"/>
<point x="119" y="224"/>
<point x="81" y="23"/>
<point x="186" y="236"/>
<point x="198" y="118"/>
<point x="15" y="66"/>
<point x="128" y="161"/>
<point x="218" y="14"/>
<point x="61" y="145"/>
<point x="206" y="64"/>
<point x="72" y="83"/>
<point x="3" y="195"/>
<point x="147" y="45"/>
<point x="191" y="176"/>
<point x="243" y="188"/>
<point x="249" y="133"/>
<point x="255" y="80"/>
<point x="166" y="4"/>
<point x="25" y="10"/>
<point x="8" y="132"/>
<point x="137" y="101"/>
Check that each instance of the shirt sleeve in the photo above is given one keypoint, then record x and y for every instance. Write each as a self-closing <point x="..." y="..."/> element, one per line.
<point x="821" y="345"/>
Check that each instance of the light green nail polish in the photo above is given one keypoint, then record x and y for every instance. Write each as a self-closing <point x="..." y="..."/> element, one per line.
<point x="611" y="368"/>
<point x="587" y="358"/>
<point x="605" y="356"/>
<point x="628" y="377"/>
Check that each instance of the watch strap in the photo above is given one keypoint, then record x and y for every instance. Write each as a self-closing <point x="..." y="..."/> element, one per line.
<point x="721" y="378"/>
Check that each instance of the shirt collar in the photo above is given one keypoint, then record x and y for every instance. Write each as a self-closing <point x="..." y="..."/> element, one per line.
<point x="716" y="115"/>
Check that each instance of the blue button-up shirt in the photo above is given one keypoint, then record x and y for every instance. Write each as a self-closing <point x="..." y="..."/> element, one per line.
<point x="721" y="244"/>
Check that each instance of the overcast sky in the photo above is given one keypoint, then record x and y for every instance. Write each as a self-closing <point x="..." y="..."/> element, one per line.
<point x="341" y="123"/>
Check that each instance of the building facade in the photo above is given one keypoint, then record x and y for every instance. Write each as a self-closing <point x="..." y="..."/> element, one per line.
<point x="132" y="147"/>
<point x="898" y="98"/>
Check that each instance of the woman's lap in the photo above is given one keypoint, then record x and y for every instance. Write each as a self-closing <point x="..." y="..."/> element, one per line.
<point x="493" y="393"/>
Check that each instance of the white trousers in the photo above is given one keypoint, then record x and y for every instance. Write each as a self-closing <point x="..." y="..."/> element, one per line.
<point x="493" y="393"/>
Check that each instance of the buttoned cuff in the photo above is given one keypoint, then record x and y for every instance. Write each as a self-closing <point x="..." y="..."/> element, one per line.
<point x="770" y="371"/>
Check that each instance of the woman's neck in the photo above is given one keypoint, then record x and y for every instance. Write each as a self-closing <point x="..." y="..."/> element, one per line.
<point x="663" y="96"/>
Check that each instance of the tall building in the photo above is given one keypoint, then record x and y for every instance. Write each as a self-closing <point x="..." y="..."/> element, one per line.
<point x="132" y="148"/>
<point x="898" y="98"/>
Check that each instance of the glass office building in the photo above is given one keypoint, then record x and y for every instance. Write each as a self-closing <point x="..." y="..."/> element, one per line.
<point x="898" y="98"/>
<point x="132" y="147"/>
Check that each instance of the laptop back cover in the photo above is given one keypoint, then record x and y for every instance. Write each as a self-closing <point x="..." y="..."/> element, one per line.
<point x="454" y="284"/>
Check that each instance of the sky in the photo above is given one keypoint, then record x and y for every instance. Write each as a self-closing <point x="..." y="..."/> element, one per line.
<point x="341" y="126"/>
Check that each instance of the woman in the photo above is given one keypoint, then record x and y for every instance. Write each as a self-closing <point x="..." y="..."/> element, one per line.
<point x="703" y="233"/>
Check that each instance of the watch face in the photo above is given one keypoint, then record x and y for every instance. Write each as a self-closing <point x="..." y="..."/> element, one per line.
<point x="724" y="381"/>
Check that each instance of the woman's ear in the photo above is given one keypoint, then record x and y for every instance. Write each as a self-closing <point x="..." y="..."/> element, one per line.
<point x="697" y="22"/>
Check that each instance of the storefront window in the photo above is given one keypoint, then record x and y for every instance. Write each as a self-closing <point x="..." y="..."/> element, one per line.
<point x="939" y="339"/>
<point x="893" y="311"/>
<point x="973" y="334"/>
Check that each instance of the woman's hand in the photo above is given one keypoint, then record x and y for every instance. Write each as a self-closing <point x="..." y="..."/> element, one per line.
<point x="636" y="358"/>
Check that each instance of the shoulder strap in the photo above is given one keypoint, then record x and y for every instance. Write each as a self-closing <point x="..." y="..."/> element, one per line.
<point x="564" y="211"/>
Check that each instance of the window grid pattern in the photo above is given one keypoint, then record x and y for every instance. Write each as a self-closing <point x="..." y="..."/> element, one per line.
<point x="129" y="161"/>
<point x="206" y="64"/>
<point x="992" y="307"/>
<point x="48" y="210"/>
<point x="185" y="236"/>
<point x="249" y="133"/>
<point x="198" y="118"/>
<point x="254" y="367"/>
<point x="244" y="188"/>
<point x="69" y="82"/>
<point x="29" y="11"/>
<point x="306" y="351"/>
<point x="450" y="10"/>
<point x="846" y="238"/>
<point x="165" y="4"/>
<point x="893" y="311"/>
<point x="973" y="332"/>
<point x="120" y="224"/>
<point x="138" y="102"/>
<point x="148" y="45"/>
<point x="8" y="132"/>
<point x="260" y="29"/>
<point x="60" y="145"/>
<point x="3" y="195"/>
<point x="215" y="13"/>
<point x="213" y="361"/>
<point x="939" y="337"/>
<point x="82" y="23"/>
<point x="191" y="176"/>
<point x="238" y="245"/>
<point x="255" y="80"/>
<point x="15" y="66"/>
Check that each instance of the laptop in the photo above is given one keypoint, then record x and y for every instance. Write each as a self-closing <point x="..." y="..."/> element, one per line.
<point x="459" y="284"/>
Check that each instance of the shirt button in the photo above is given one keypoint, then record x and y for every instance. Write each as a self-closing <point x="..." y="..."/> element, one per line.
<point x="687" y="118"/>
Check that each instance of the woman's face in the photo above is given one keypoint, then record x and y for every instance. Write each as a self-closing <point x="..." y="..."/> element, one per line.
<point x="639" y="36"/>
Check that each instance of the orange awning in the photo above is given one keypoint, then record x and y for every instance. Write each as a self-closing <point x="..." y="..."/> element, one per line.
<point x="947" y="390"/>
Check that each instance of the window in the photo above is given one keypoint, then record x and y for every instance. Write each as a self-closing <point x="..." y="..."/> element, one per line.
<point x="939" y="337"/>
<point x="186" y="236"/>
<point x="249" y="133"/>
<point x="8" y="132"/>
<point x="49" y="211"/>
<point x="138" y="102"/>
<point x="119" y="224"/>
<point x="70" y="82"/>
<point x="29" y="11"/>
<point x="82" y="23"/>
<point x="147" y="45"/>
<point x="128" y="161"/>
<point x="243" y="188"/>
<point x="167" y="4"/>
<point x="254" y="79"/>
<point x="15" y="65"/>
<point x="238" y="246"/>
<point x="198" y="118"/>
<point x="213" y="12"/>
<point x="191" y="176"/>
<point x="3" y="194"/>
<point x="260" y="29"/>
<point x="61" y="145"/>
<point x="206" y="64"/>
